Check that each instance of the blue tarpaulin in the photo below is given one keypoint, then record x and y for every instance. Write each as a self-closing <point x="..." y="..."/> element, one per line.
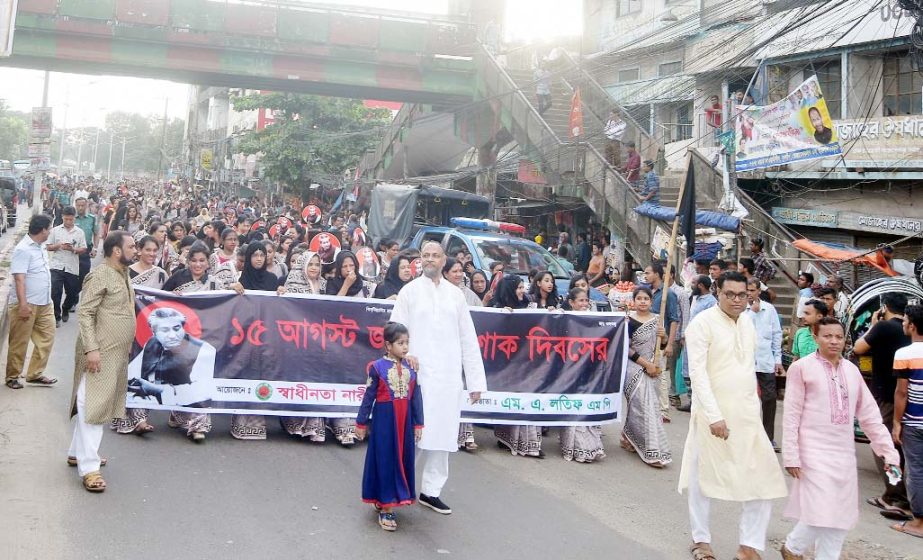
<point x="705" y="218"/>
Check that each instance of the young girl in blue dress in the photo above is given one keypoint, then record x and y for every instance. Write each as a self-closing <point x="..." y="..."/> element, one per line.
<point x="395" y="403"/>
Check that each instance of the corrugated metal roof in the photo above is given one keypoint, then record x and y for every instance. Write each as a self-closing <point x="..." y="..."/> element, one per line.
<point x="658" y="90"/>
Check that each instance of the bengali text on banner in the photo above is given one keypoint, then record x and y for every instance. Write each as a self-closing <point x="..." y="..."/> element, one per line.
<point x="302" y="355"/>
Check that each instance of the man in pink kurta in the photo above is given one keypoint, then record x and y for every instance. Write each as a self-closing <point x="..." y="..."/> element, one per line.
<point x="823" y="395"/>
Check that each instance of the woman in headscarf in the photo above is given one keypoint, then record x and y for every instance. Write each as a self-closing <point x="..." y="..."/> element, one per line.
<point x="346" y="282"/>
<point x="305" y="278"/>
<point x="346" y="279"/>
<point x="453" y="271"/>
<point x="142" y="273"/>
<point x="398" y="275"/>
<point x="480" y="286"/>
<point x="193" y="278"/>
<point x="520" y="440"/>
<point x="255" y="276"/>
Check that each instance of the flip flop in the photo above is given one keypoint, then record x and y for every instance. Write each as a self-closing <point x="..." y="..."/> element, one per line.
<point x="888" y="511"/>
<point x="14" y="384"/>
<point x="901" y="528"/>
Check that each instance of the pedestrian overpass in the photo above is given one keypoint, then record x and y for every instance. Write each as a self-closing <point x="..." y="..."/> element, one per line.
<point x="270" y="45"/>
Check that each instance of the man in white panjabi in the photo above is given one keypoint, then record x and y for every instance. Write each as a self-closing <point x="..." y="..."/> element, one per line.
<point x="443" y="341"/>
<point x="728" y="455"/>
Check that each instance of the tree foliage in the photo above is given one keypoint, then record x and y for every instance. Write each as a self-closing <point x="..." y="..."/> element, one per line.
<point x="313" y="138"/>
<point x="14" y="133"/>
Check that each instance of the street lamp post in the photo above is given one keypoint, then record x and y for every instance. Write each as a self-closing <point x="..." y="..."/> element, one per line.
<point x="122" y="167"/>
<point x="109" y="167"/>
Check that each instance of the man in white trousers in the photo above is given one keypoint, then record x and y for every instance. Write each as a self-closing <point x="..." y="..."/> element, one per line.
<point x="107" y="329"/>
<point x="445" y="346"/>
<point x="728" y="455"/>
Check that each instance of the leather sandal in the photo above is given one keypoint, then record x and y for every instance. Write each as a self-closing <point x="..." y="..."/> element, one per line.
<point x="93" y="482"/>
<point x="702" y="551"/>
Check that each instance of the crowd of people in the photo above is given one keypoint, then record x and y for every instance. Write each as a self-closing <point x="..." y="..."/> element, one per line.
<point x="716" y="340"/>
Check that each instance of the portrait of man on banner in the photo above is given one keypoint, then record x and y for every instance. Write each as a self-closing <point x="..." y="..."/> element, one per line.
<point x="174" y="368"/>
<point x="798" y="127"/>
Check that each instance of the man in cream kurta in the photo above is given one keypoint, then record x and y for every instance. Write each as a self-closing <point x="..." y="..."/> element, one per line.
<point x="727" y="455"/>
<point x="443" y="340"/>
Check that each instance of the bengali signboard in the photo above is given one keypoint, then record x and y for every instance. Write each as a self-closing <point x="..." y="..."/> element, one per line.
<point x="797" y="128"/>
<point x="805" y="217"/>
<point x="882" y="143"/>
<point x="855" y="221"/>
<point x="307" y="356"/>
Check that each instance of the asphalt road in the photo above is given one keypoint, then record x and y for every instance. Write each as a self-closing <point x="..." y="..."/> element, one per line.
<point x="285" y="498"/>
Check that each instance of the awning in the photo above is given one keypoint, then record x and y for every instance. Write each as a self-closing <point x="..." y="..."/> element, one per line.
<point x="840" y="252"/>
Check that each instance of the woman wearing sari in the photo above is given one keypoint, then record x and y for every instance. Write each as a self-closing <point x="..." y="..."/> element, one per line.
<point x="305" y="278"/>
<point x="398" y="275"/>
<point x="454" y="272"/>
<point x="189" y="279"/>
<point x="142" y="273"/>
<point x="520" y="440"/>
<point x="166" y="257"/>
<point x="481" y="286"/>
<point x="346" y="282"/>
<point x="643" y="432"/>
<point x="226" y="252"/>
<point x="583" y="444"/>
<point x="255" y="276"/>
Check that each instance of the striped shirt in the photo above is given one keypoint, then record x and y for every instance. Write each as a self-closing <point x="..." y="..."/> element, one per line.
<point x="908" y="364"/>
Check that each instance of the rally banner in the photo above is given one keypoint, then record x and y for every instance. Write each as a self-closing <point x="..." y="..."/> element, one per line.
<point x="797" y="128"/>
<point x="304" y="355"/>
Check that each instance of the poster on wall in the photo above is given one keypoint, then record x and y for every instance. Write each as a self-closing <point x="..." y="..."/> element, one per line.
<point x="797" y="128"/>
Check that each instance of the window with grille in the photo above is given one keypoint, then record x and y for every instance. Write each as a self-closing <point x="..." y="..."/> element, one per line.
<point x="626" y="7"/>
<point x="683" y="126"/>
<point x="902" y="86"/>
<point x="670" y="68"/>
<point x="831" y="85"/>
<point x="631" y="75"/>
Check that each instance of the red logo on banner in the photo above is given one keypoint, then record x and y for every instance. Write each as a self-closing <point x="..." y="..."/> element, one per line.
<point x="576" y="115"/>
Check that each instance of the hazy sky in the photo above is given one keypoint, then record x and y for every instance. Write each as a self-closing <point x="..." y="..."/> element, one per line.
<point x="88" y="98"/>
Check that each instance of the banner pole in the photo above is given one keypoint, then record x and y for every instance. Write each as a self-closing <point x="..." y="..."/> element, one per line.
<point x="671" y="250"/>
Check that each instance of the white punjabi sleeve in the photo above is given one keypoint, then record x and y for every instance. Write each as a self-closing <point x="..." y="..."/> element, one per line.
<point x="698" y="338"/>
<point x="473" y="365"/>
<point x="201" y="380"/>
<point x="400" y="313"/>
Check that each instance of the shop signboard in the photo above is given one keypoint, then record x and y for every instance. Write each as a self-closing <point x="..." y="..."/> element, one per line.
<point x="867" y="222"/>
<point x="881" y="143"/>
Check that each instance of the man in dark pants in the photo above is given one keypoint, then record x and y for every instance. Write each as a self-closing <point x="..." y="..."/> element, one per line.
<point x="768" y="354"/>
<point x="65" y="244"/>
<point x="90" y="228"/>
<point x="882" y="341"/>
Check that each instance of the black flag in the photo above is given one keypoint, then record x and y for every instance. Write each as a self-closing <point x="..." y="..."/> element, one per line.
<point x="687" y="210"/>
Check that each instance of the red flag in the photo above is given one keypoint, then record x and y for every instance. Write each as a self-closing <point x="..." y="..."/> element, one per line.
<point x="576" y="115"/>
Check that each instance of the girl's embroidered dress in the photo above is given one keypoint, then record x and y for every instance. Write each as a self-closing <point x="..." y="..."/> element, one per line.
<point x="393" y="400"/>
